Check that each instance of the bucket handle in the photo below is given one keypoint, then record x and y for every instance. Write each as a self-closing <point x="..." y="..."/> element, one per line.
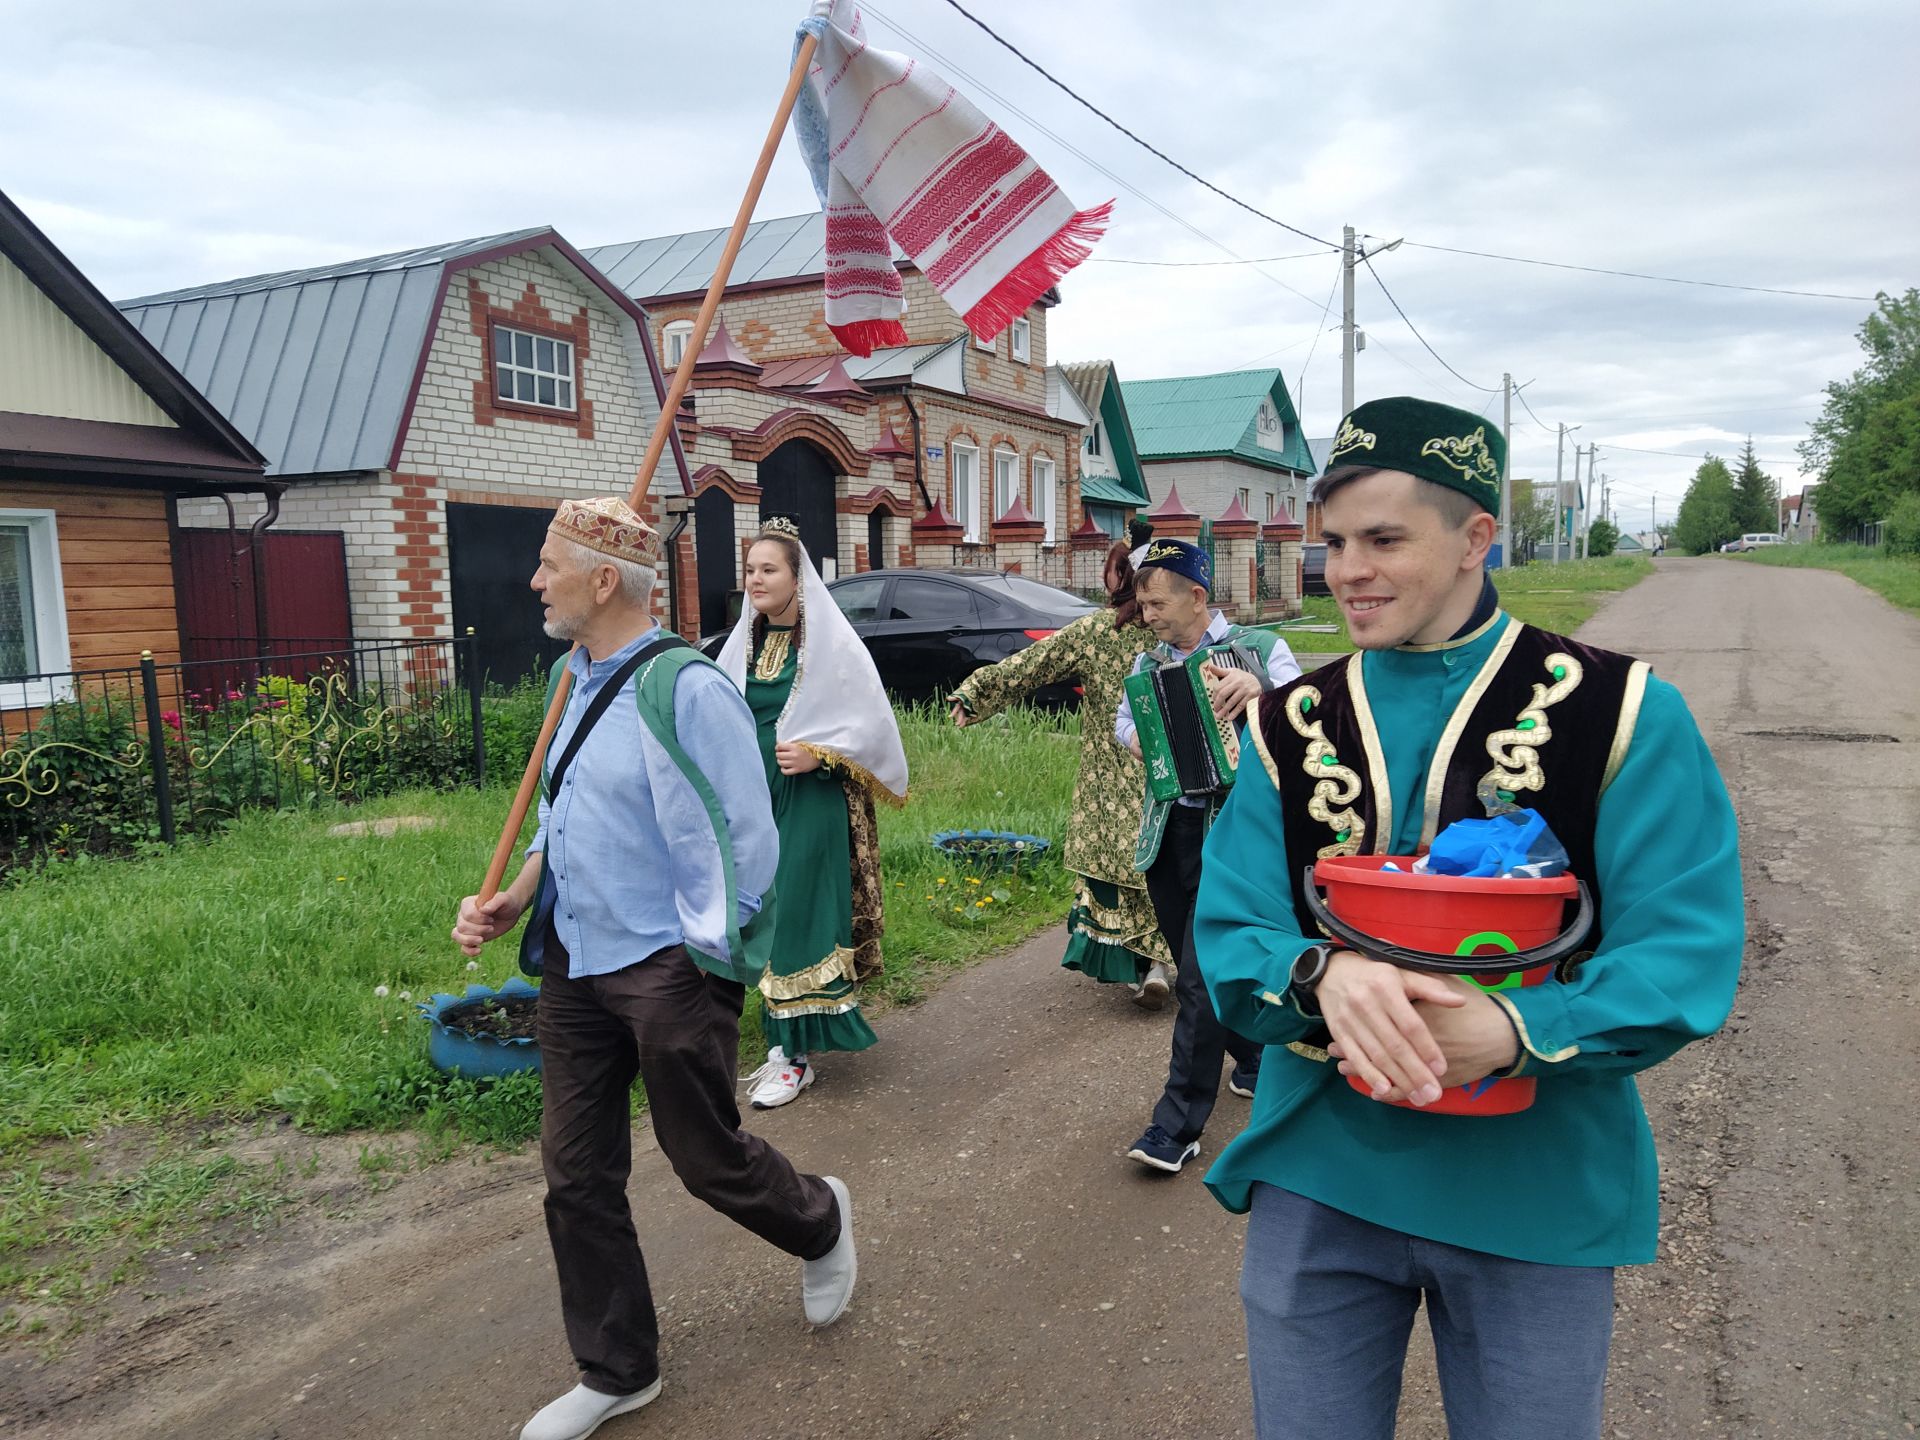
<point x="1374" y="948"/>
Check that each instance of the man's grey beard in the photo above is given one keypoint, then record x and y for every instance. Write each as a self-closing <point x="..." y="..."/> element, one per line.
<point x="561" y="627"/>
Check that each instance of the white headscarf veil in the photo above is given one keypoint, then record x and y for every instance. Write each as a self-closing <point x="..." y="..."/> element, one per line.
<point x="838" y="709"/>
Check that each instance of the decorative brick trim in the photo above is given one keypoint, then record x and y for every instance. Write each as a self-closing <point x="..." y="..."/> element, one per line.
<point x="878" y="498"/>
<point x="709" y="477"/>
<point x="519" y="499"/>
<point x="528" y="313"/>
<point x="793" y="424"/>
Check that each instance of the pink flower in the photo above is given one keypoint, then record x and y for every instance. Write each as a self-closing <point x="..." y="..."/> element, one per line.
<point x="171" y="718"/>
<point x="233" y="694"/>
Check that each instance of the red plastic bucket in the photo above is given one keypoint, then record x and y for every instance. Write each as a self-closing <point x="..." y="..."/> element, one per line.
<point x="1452" y="915"/>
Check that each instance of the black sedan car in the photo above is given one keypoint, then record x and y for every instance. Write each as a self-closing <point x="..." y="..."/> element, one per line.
<point x="930" y="629"/>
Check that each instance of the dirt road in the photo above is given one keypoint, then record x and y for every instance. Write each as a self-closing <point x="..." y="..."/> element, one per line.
<point x="1020" y="1278"/>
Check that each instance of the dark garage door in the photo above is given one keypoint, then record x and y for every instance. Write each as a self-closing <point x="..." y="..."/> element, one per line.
<point x="491" y="553"/>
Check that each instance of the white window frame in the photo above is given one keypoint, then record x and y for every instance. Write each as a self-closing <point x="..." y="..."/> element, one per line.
<point x="1044" y="498"/>
<point x="1093" y="439"/>
<point x="1245" y="495"/>
<point x="570" y="377"/>
<point x="1022" y="332"/>
<point x="673" y="343"/>
<point x="1272" y="502"/>
<point x="990" y="346"/>
<point x="1006" y="481"/>
<point x="966" y="490"/>
<point x="52" y="653"/>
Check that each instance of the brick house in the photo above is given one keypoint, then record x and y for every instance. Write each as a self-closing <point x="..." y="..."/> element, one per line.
<point x="944" y="451"/>
<point x="1218" y="439"/>
<point x="101" y="441"/>
<point x="426" y="411"/>
<point x="1112" y="485"/>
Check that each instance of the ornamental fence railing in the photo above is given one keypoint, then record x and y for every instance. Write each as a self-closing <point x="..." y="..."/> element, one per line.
<point x="105" y="761"/>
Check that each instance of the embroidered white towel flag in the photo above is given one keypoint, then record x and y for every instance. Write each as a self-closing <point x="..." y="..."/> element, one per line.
<point x="897" y="153"/>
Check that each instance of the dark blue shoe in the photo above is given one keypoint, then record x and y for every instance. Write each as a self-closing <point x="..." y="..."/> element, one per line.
<point x="1242" y="1082"/>
<point x="1161" y="1151"/>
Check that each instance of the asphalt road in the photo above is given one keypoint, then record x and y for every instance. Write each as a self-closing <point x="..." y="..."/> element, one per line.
<point x="1020" y="1278"/>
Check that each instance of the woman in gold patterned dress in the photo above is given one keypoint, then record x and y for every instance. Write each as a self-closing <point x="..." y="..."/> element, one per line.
<point x="831" y="747"/>
<point x="1112" y="935"/>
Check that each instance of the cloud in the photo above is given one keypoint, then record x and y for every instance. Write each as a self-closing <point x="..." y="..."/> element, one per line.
<point x="1759" y="142"/>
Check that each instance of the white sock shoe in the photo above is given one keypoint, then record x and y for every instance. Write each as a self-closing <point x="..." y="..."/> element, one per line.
<point x="580" y="1412"/>
<point x="780" y="1084"/>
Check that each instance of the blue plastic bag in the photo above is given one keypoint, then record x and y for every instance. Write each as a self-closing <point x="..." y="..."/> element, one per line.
<point x="1516" y="845"/>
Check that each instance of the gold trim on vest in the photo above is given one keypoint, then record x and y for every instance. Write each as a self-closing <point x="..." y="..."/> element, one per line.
<point x="1457" y="726"/>
<point x="1516" y="752"/>
<point x="1630" y="704"/>
<point x="1334" y="783"/>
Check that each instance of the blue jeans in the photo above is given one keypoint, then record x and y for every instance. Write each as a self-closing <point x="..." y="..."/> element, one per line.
<point x="1522" y="1347"/>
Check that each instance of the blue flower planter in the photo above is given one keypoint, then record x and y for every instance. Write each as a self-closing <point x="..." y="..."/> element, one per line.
<point x="993" y="851"/>
<point x="478" y="1052"/>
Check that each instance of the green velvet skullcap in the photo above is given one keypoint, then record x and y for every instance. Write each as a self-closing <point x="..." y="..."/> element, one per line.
<point x="1449" y="446"/>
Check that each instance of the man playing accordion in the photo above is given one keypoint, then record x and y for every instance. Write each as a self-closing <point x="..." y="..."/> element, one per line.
<point x="1174" y="587"/>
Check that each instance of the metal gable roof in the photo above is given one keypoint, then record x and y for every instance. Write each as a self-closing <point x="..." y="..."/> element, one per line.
<point x="1203" y="415"/>
<point x="791" y="247"/>
<point x="316" y="367"/>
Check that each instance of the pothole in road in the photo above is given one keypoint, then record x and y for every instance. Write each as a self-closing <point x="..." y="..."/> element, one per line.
<point x="1831" y="737"/>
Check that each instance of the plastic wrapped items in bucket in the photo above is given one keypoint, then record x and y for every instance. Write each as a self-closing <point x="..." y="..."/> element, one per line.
<point x="1457" y="925"/>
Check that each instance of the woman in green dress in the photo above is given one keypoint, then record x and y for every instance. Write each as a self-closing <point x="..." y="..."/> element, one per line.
<point x="1111" y="932"/>
<point x="831" y="748"/>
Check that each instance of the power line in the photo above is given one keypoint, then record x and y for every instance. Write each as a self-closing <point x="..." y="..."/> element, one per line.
<point x="1032" y="65"/>
<point x="1203" y="264"/>
<point x="1638" y="274"/>
<point x="982" y="87"/>
<point x="1685" y="455"/>
<point x="1368" y="261"/>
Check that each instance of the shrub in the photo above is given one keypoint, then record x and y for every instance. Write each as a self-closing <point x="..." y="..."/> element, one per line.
<point x="1901" y="533"/>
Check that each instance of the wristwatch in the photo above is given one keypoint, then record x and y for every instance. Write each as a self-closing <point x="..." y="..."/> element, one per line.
<point x="1310" y="967"/>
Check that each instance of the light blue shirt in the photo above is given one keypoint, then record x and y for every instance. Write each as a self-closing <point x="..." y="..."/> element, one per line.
<point x="635" y="864"/>
<point x="1281" y="667"/>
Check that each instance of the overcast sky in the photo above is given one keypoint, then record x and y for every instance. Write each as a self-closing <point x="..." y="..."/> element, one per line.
<point x="1758" y="143"/>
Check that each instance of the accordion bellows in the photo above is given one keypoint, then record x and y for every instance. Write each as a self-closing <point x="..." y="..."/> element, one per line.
<point x="1188" y="750"/>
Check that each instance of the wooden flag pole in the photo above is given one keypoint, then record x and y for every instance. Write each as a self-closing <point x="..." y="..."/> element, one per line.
<point x="656" y="447"/>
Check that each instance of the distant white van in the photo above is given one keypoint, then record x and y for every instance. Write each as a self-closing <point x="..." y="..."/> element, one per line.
<point x="1754" y="542"/>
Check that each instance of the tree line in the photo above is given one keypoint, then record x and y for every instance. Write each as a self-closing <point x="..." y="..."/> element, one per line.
<point x="1722" y="504"/>
<point x="1865" y="446"/>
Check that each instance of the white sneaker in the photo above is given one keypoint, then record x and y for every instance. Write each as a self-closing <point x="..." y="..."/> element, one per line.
<point x="776" y="1058"/>
<point x="826" y="1284"/>
<point x="580" y="1412"/>
<point x="780" y="1084"/>
<point x="1153" y="991"/>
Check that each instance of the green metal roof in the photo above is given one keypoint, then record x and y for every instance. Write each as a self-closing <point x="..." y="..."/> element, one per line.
<point x="1106" y="490"/>
<point x="1197" y="416"/>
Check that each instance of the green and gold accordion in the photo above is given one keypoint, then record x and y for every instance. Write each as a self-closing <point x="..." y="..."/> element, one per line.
<point x="1188" y="750"/>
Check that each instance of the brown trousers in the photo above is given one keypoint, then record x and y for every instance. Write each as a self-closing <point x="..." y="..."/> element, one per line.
<point x="678" y="1028"/>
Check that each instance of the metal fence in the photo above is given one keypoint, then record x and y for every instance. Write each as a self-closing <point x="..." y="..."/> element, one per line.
<point x="102" y="761"/>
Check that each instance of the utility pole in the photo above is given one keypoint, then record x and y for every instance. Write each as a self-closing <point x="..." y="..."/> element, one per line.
<point x="1506" y="471"/>
<point x="1559" y="463"/>
<point x="1352" y="340"/>
<point x="1656" y="520"/>
<point x="1560" y="510"/>
<point x="1346" y="321"/>
<point x="1586" y="502"/>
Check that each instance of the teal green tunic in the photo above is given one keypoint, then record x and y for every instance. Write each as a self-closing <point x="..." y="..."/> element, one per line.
<point x="811" y="998"/>
<point x="1574" y="1179"/>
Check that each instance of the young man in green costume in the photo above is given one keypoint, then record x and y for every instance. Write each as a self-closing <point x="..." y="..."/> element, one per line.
<point x="1174" y="586"/>
<point x="1508" y="1226"/>
<point x="654" y="859"/>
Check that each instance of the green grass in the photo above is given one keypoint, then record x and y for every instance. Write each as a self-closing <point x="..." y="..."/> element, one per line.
<point x="1560" y="598"/>
<point x="236" y="978"/>
<point x="1896" y="577"/>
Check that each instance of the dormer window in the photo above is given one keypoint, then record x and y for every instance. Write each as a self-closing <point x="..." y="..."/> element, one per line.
<point x="532" y="369"/>
<point x="674" y="341"/>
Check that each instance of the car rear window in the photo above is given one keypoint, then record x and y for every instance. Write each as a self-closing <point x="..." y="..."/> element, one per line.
<point x="932" y="600"/>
